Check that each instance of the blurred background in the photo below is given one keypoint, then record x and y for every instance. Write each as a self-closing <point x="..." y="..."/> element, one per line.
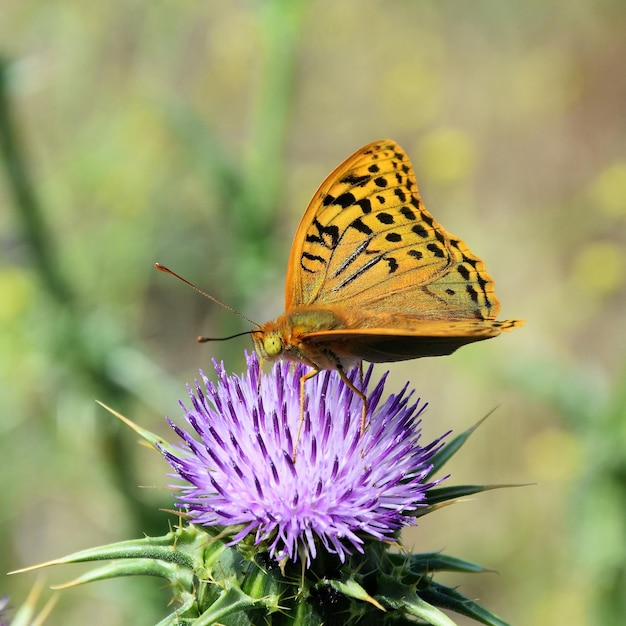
<point x="194" y="134"/>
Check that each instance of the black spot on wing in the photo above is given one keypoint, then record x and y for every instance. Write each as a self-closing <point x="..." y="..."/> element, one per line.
<point x="393" y="237"/>
<point x="428" y="219"/>
<point x="408" y="214"/>
<point x="470" y="261"/>
<point x="465" y="274"/>
<point x="345" y="200"/>
<point x="393" y="264"/>
<point x="326" y="236"/>
<point x="361" y="226"/>
<point x="365" y="204"/>
<point x="401" y="195"/>
<point x="356" y="181"/>
<point x="385" y="218"/>
<point x="436" y="250"/>
<point x="420" y="231"/>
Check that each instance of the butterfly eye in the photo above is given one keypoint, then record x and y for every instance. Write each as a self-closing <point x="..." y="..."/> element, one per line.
<point x="272" y="345"/>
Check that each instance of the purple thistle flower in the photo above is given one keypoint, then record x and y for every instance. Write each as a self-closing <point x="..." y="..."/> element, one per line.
<point x="343" y="487"/>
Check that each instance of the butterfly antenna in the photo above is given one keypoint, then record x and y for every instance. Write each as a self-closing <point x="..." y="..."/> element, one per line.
<point x="166" y="270"/>
<point x="203" y="339"/>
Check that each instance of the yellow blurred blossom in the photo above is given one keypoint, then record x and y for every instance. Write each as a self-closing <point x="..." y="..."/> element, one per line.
<point x="599" y="268"/>
<point x="608" y="190"/>
<point x="446" y="155"/>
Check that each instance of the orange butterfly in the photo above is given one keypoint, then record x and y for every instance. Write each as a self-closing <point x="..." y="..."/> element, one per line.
<point x="372" y="276"/>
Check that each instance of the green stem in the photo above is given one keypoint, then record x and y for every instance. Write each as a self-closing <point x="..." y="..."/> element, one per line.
<point x="70" y="345"/>
<point x="25" y="200"/>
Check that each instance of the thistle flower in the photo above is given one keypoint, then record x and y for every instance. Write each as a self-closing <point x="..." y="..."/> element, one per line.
<point x="336" y="508"/>
<point x="343" y="488"/>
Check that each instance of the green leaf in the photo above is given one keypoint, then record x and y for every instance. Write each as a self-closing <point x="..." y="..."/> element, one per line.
<point x="182" y="576"/>
<point x="158" y="443"/>
<point x="428" y="562"/>
<point x="451" y="599"/>
<point x="187" y="547"/>
<point x="454" y="492"/>
<point x="404" y="598"/>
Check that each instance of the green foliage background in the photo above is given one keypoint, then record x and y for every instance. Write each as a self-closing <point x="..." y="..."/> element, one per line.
<point x="194" y="134"/>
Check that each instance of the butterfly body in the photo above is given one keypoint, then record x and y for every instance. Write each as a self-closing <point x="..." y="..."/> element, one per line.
<point x="286" y="337"/>
<point x="336" y="339"/>
<point x="372" y="276"/>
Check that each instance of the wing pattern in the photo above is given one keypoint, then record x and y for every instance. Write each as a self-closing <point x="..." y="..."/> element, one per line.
<point x="367" y="237"/>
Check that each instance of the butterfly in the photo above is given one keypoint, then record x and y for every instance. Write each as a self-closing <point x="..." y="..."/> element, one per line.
<point x="373" y="277"/>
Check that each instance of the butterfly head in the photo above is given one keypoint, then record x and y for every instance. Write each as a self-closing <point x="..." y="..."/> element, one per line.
<point x="289" y="337"/>
<point x="267" y="343"/>
<point x="273" y="341"/>
<point x="283" y="338"/>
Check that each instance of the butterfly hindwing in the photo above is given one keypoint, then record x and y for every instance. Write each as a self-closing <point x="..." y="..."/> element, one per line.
<point x="412" y="339"/>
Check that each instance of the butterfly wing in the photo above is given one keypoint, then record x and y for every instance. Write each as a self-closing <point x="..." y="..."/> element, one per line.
<point x="367" y="240"/>
<point x="415" y="339"/>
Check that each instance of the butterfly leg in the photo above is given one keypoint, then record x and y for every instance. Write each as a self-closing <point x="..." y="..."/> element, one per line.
<point x="310" y="374"/>
<point x="258" y="386"/>
<point x="364" y="411"/>
<point x="358" y="392"/>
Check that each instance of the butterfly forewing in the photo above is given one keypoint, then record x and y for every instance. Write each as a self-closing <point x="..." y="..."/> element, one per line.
<point x="366" y="238"/>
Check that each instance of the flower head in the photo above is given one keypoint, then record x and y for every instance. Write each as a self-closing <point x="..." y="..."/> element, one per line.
<point x="343" y="486"/>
